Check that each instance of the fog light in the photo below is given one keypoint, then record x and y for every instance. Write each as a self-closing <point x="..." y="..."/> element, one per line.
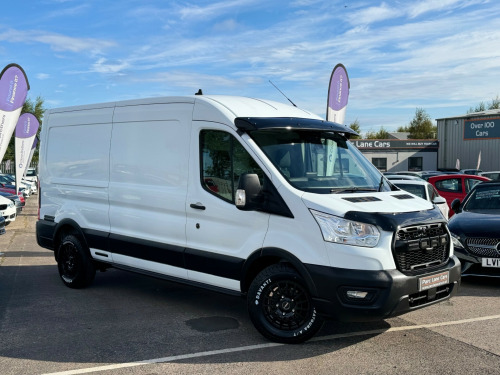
<point x="356" y="294"/>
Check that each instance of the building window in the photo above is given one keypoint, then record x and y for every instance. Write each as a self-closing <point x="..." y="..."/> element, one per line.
<point x="415" y="164"/>
<point x="380" y="163"/>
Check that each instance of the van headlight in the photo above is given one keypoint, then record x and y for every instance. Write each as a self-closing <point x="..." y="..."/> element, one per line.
<point x="347" y="232"/>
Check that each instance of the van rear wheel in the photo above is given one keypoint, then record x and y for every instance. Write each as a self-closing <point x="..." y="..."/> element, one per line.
<point x="280" y="305"/>
<point x="75" y="266"/>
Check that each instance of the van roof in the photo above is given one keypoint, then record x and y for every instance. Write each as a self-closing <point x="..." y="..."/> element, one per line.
<point x="238" y="106"/>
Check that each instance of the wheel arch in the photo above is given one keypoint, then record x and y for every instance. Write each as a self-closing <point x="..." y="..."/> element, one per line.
<point x="68" y="226"/>
<point x="265" y="257"/>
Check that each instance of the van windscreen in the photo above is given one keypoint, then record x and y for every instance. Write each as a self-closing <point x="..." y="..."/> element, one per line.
<point x="317" y="161"/>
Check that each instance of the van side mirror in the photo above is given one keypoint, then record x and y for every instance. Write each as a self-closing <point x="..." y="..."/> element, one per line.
<point x="248" y="192"/>
<point x="455" y="205"/>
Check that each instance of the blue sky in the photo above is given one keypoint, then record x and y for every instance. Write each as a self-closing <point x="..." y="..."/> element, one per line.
<point x="440" y="55"/>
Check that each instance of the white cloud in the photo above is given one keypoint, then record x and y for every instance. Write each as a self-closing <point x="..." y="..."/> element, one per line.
<point x="214" y="9"/>
<point x="102" y="65"/>
<point x="57" y="42"/>
<point x="43" y="76"/>
<point x="374" y="14"/>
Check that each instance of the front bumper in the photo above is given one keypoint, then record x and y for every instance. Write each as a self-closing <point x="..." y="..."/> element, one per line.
<point x="389" y="293"/>
<point x="472" y="264"/>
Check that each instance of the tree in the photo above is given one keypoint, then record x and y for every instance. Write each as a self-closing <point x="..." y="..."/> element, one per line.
<point x="421" y="126"/>
<point x="37" y="109"/>
<point x="403" y="129"/>
<point x="494" y="104"/>
<point x="381" y="134"/>
<point x="355" y="126"/>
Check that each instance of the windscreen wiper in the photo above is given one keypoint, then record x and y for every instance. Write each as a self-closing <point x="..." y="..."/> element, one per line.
<point x="352" y="190"/>
<point x="381" y="183"/>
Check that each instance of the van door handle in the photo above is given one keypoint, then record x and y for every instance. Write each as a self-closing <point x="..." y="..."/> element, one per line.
<point x="197" y="206"/>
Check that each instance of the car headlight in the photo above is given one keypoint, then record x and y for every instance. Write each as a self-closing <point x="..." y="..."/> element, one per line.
<point x="456" y="241"/>
<point x="11" y="204"/>
<point x="347" y="232"/>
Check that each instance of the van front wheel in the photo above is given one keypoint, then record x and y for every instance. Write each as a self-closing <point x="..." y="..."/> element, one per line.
<point x="75" y="266"/>
<point x="280" y="306"/>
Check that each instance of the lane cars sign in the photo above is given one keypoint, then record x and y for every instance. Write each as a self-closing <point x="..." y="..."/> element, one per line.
<point x="485" y="128"/>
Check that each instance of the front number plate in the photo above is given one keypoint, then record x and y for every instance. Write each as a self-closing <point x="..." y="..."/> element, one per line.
<point x="491" y="262"/>
<point x="433" y="281"/>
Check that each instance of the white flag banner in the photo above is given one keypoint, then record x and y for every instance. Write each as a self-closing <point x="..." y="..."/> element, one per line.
<point x="33" y="148"/>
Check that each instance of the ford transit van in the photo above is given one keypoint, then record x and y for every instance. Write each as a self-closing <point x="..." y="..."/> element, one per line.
<point x="252" y="197"/>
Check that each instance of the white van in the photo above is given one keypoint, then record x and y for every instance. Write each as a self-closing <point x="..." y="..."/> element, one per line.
<point x="244" y="196"/>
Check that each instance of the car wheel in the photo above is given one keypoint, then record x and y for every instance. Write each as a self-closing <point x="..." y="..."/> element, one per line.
<point x="280" y="305"/>
<point x="75" y="266"/>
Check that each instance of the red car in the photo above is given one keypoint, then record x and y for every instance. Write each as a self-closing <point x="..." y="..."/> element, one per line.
<point x="455" y="186"/>
<point x="9" y="190"/>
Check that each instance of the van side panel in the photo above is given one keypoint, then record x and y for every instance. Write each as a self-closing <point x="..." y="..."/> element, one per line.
<point x="148" y="183"/>
<point x="75" y="175"/>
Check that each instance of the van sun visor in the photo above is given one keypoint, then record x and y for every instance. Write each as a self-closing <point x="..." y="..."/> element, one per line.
<point x="258" y="123"/>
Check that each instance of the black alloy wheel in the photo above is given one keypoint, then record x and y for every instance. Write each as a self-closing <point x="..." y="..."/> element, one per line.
<point x="280" y="305"/>
<point x="74" y="263"/>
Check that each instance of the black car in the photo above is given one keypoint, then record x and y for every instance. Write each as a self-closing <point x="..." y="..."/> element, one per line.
<point x="474" y="230"/>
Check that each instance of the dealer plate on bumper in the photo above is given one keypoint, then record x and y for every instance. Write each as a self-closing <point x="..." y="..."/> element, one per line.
<point x="433" y="281"/>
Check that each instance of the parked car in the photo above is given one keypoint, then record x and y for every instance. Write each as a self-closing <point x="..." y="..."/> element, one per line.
<point x="427" y="174"/>
<point x="402" y="177"/>
<point x="31" y="175"/>
<point x="7" y="183"/>
<point x="494" y="175"/>
<point x="474" y="230"/>
<point x="471" y="171"/>
<point x="455" y="186"/>
<point x="12" y="191"/>
<point x="403" y="173"/>
<point x="14" y="198"/>
<point x="25" y="186"/>
<point x="7" y="210"/>
<point x="425" y="191"/>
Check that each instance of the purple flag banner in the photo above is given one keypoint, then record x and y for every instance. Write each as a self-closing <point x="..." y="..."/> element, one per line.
<point x="338" y="94"/>
<point x="14" y="88"/>
<point x="26" y="130"/>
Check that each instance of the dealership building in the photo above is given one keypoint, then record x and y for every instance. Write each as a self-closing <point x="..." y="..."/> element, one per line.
<point x="394" y="155"/>
<point x="463" y="142"/>
<point x="471" y="139"/>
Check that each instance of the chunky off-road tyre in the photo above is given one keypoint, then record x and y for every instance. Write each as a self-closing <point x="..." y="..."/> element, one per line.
<point x="280" y="305"/>
<point x="75" y="266"/>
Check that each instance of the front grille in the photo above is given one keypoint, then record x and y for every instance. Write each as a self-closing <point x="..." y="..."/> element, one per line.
<point x="484" y="247"/>
<point x="3" y="207"/>
<point x="421" y="247"/>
